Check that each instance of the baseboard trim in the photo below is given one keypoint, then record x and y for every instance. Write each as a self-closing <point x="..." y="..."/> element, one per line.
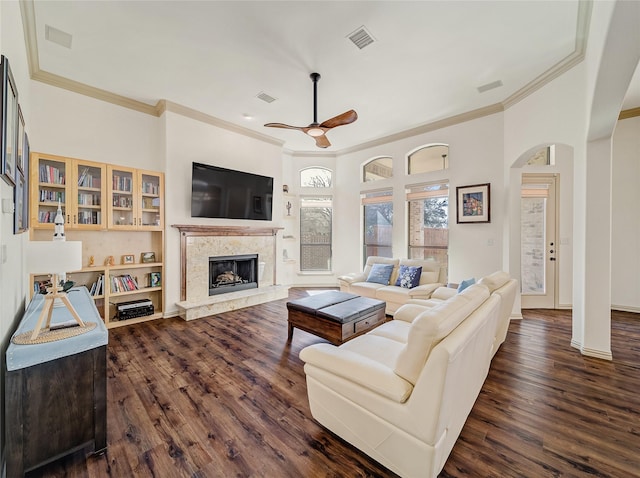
<point x="601" y="354"/>
<point x="625" y="308"/>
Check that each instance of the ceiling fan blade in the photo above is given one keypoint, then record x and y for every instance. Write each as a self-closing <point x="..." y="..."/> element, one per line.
<point x="347" y="117"/>
<point x="322" y="141"/>
<point x="286" y="126"/>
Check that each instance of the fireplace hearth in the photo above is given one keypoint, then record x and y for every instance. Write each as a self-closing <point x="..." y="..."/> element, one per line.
<point x="232" y="273"/>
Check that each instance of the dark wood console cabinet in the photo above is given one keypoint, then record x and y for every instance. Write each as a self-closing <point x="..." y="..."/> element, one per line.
<point x="57" y="406"/>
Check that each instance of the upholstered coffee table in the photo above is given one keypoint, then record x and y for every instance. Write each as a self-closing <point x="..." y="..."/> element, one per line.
<point x="335" y="316"/>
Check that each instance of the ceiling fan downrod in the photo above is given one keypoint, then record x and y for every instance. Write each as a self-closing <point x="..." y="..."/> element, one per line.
<point x="315" y="77"/>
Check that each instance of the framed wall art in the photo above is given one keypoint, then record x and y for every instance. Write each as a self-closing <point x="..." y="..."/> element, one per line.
<point x="25" y="163"/>
<point x="9" y="126"/>
<point x="20" y="143"/>
<point x="18" y="200"/>
<point x="473" y="203"/>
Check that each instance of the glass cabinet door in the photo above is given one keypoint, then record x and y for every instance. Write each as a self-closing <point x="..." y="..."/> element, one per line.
<point x="50" y="173"/>
<point x="151" y="200"/>
<point x="122" y="206"/>
<point x="89" y="180"/>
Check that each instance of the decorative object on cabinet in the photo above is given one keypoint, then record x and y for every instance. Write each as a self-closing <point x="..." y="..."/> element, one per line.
<point x="155" y="279"/>
<point x="54" y="257"/>
<point x="147" y="257"/>
<point x="109" y="261"/>
<point x="128" y="259"/>
<point x="473" y="203"/>
<point x="9" y="127"/>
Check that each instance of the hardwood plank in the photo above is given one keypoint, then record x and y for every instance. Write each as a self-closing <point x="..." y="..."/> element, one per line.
<point x="226" y="396"/>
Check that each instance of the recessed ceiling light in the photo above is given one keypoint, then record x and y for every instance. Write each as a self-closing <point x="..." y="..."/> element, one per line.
<point x="265" y="97"/>
<point x="247" y="116"/>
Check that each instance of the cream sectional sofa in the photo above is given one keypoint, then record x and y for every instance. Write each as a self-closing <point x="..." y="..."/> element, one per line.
<point x="402" y="392"/>
<point x="395" y="296"/>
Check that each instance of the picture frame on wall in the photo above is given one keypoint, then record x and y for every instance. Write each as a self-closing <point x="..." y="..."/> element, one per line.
<point x="9" y="126"/>
<point x="473" y="204"/>
<point x="18" y="200"/>
<point x="20" y="143"/>
<point x="25" y="162"/>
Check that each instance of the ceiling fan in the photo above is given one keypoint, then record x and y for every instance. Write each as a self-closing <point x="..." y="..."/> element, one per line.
<point x="317" y="130"/>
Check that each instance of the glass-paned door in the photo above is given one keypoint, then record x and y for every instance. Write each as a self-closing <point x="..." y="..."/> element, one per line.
<point x="539" y="247"/>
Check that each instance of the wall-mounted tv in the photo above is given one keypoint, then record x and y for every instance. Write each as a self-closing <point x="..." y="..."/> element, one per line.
<point x="227" y="193"/>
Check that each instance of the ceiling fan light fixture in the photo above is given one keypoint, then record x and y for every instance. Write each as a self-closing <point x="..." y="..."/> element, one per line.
<point x="315" y="132"/>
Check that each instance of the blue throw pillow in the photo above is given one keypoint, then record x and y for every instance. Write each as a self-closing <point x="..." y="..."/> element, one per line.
<point x="409" y="276"/>
<point x="466" y="283"/>
<point x="380" y="273"/>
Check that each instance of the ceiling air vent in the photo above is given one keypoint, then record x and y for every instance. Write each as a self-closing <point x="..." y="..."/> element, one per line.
<point x="265" y="97"/>
<point x="57" y="36"/>
<point x="361" y="37"/>
<point x="489" y="86"/>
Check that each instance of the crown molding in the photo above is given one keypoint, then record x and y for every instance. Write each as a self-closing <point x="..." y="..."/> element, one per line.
<point x="564" y="65"/>
<point x="212" y="120"/>
<point x="425" y="128"/>
<point x="632" y="113"/>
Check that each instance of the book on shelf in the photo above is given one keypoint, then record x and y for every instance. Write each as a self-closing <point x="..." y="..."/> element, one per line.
<point x="123" y="283"/>
<point x="97" y="288"/>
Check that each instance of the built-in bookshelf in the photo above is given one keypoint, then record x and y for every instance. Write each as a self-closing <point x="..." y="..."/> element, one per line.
<point x="122" y="258"/>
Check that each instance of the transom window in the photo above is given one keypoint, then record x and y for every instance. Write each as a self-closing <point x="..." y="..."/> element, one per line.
<point x="378" y="168"/>
<point x="316" y="178"/>
<point x="434" y="157"/>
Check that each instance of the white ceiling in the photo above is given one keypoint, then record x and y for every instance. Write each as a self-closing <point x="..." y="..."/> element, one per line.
<point x="426" y="64"/>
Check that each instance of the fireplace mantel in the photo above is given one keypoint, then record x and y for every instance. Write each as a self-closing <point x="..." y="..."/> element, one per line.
<point x="191" y="232"/>
<point x="201" y="230"/>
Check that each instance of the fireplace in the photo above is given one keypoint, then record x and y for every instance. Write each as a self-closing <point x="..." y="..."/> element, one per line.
<point x="232" y="273"/>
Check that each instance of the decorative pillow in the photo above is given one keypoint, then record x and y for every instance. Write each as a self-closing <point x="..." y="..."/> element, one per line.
<point x="380" y="273"/>
<point x="409" y="276"/>
<point x="466" y="283"/>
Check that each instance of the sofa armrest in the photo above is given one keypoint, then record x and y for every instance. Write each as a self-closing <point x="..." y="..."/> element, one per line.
<point x="358" y="369"/>
<point x="352" y="277"/>
<point x="444" y="293"/>
<point x="423" y="291"/>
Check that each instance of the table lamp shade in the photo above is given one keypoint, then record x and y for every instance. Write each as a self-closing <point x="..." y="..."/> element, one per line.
<point x="48" y="257"/>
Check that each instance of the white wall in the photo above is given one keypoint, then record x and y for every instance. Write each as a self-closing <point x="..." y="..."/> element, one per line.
<point x="13" y="282"/>
<point x="188" y="140"/>
<point x="625" y="242"/>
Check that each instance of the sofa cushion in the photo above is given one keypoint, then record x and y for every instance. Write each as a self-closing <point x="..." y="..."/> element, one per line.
<point x="397" y="330"/>
<point x="466" y="283"/>
<point x="430" y="269"/>
<point x="495" y="281"/>
<point x="367" y="289"/>
<point x="409" y="276"/>
<point x="393" y="294"/>
<point x="432" y="325"/>
<point x="380" y="273"/>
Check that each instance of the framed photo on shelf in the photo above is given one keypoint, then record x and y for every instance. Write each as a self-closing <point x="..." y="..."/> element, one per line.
<point x="128" y="259"/>
<point x="9" y="125"/>
<point x="148" y="257"/>
<point x="473" y="203"/>
<point x="155" y="279"/>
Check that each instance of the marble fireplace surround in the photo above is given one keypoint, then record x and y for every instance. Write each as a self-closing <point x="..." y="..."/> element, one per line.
<point x="198" y="243"/>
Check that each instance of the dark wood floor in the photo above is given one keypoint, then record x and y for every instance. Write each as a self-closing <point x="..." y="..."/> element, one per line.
<point x="225" y="396"/>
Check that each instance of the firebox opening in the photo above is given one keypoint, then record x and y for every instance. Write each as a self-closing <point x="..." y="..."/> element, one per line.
<point x="232" y="273"/>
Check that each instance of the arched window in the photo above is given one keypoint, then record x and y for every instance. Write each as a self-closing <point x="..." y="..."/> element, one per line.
<point x="434" y="157"/>
<point x="378" y="168"/>
<point x="315" y="177"/>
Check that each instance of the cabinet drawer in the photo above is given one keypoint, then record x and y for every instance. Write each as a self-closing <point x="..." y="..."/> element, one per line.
<point x="369" y="322"/>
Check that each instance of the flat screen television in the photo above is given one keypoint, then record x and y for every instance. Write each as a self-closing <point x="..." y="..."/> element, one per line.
<point x="226" y="193"/>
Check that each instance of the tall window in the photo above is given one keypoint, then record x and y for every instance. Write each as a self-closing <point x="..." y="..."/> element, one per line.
<point x="316" y="216"/>
<point x="434" y="157"/>
<point x="378" y="168"/>
<point x="378" y="224"/>
<point x="429" y="222"/>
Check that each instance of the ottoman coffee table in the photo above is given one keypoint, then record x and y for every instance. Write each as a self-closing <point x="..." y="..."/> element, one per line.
<point x="335" y="316"/>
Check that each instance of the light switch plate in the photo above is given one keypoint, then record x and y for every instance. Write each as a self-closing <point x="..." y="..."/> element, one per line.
<point x="7" y="206"/>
